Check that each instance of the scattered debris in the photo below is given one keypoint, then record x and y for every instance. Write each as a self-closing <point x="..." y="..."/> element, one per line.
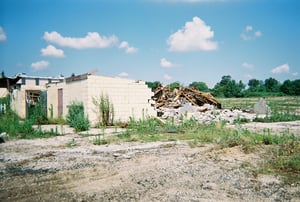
<point x="186" y="103"/>
<point x="166" y="98"/>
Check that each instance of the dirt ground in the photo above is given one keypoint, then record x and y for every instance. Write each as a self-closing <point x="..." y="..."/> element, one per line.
<point x="71" y="168"/>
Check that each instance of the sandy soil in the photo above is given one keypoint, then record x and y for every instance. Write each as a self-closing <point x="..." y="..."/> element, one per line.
<point x="71" y="168"/>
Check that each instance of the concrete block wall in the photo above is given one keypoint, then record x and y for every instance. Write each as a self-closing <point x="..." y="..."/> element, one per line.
<point x="18" y="102"/>
<point x="18" y="99"/>
<point x="52" y="98"/>
<point x="129" y="97"/>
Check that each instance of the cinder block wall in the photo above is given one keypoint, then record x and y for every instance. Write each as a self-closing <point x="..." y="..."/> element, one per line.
<point x="129" y="97"/>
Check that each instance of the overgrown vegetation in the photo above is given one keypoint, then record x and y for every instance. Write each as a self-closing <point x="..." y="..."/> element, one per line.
<point x="38" y="113"/>
<point x="76" y="117"/>
<point x="104" y="110"/>
<point x="11" y="124"/>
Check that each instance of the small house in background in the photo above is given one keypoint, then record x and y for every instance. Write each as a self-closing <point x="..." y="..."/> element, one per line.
<point x="27" y="90"/>
<point x="130" y="98"/>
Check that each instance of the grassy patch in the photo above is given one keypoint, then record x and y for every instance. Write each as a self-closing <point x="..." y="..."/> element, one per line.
<point x="15" y="128"/>
<point x="283" y="158"/>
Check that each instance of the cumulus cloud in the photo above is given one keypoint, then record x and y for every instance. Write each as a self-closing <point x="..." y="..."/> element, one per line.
<point x="167" y="77"/>
<point x="123" y="74"/>
<point x="2" y="34"/>
<point x="247" y="65"/>
<point x="91" y="40"/>
<point x="40" y="65"/>
<point x="250" y="34"/>
<point x="285" y="68"/>
<point x="128" y="49"/>
<point x="52" y="51"/>
<point x="165" y="63"/>
<point x="195" y="35"/>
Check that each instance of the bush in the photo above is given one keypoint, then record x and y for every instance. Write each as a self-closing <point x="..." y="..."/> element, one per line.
<point x="104" y="110"/>
<point x="76" y="118"/>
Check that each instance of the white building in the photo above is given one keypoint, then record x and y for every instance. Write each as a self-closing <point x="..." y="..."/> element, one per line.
<point x="26" y="92"/>
<point x="130" y="98"/>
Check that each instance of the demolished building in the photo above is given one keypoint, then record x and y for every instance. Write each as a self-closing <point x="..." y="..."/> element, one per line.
<point x="130" y="98"/>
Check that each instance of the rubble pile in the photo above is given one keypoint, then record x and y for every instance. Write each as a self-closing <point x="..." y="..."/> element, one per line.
<point x="190" y="103"/>
<point x="206" y="114"/>
<point x="166" y="98"/>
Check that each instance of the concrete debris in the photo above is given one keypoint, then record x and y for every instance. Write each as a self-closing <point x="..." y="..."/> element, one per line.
<point x="186" y="103"/>
<point x="261" y="107"/>
<point x="206" y="114"/>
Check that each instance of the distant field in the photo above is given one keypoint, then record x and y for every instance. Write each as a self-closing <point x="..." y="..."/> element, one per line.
<point x="285" y="103"/>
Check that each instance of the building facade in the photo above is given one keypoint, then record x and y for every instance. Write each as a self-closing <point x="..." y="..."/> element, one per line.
<point x="130" y="98"/>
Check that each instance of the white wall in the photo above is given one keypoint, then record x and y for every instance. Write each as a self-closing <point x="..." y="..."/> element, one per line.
<point x="3" y="92"/>
<point x="129" y="97"/>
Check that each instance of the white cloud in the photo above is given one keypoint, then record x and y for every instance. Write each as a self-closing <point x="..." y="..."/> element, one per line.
<point x="123" y="74"/>
<point x="285" y="68"/>
<point x="195" y="35"/>
<point x="128" y="49"/>
<point x="167" y="77"/>
<point x="165" y="63"/>
<point x="2" y="34"/>
<point x="258" y="34"/>
<point x="247" y="65"/>
<point x="91" y="40"/>
<point x="295" y="73"/>
<point x="250" y="34"/>
<point x="40" y="65"/>
<point x="52" y="51"/>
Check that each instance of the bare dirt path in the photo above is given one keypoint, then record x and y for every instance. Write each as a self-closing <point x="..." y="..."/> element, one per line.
<point x="55" y="170"/>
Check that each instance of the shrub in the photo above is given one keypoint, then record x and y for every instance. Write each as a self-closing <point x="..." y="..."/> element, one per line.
<point x="76" y="118"/>
<point x="104" y="110"/>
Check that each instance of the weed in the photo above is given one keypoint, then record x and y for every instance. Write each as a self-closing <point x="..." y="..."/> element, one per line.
<point x="76" y="118"/>
<point x="100" y="140"/>
<point x="104" y="110"/>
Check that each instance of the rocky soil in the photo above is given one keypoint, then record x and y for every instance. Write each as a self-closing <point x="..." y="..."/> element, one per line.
<point x="71" y="168"/>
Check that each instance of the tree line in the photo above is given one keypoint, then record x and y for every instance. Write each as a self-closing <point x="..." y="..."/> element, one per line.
<point x="228" y="87"/>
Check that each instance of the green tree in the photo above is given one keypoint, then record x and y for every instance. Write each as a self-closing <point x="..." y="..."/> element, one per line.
<point x="287" y="87"/>
<point x="201" y="86"/>
<point x="174" y="85"/>
<point x="291" y="87"/>
<point x="153" y="85"/>
<point x="253" y="84"/>
<point x="272" y="85"/>
<point x="228" y="87"/>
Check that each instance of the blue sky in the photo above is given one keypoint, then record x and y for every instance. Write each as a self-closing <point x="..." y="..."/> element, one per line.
<point x="164" y="40"/>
